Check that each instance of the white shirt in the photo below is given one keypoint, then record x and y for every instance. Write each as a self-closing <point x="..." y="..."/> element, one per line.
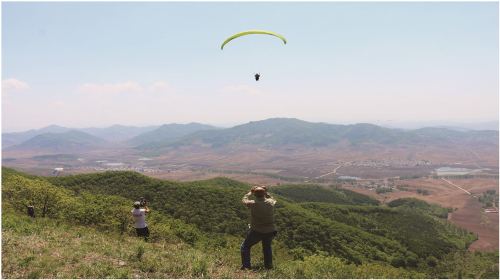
<point x="140" y="217"/>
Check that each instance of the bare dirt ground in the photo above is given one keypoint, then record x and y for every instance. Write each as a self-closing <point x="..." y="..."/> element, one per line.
<point x="189" y="175"/>
<point x="472" y="217"/>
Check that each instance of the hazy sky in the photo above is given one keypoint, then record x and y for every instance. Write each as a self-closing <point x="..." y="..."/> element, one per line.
<point x="98" y="64"/>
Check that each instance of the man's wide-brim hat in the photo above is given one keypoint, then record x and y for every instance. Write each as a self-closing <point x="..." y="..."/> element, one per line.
<point x="259" y="190"/>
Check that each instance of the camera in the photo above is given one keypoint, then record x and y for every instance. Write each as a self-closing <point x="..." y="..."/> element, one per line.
<point x="143" y="201"/>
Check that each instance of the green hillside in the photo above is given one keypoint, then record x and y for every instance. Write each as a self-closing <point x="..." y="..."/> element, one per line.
<point x="299" y="227"/>
<point x="83" y="229"/>
<point x="49" y="248"/>
<point x="424" y="236"/>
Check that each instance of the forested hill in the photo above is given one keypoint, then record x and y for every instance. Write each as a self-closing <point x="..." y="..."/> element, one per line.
<point x="324" y="232"/>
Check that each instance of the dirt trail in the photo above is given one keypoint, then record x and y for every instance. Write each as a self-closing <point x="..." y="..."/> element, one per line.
<point x="466" y="191"/>
<point x="333" y="172"/>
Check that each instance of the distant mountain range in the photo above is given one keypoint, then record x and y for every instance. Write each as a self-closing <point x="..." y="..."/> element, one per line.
<point x="284" y="131"/>
<point x="115" y="133"/>
<point x="68" y="141"/>
<point x="10" y="139"/>
<point x="281" y="132"/>
<point x="460" y="126"/>
<point x="168" y="133"/>
<point x="276" y="132"/>
<point x="119" y="133"/>
<point x="57" y="139"/>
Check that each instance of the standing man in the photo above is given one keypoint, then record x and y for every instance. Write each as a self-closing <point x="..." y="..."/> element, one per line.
<point x="139" y="213"/>
<point x="262" y="227"/>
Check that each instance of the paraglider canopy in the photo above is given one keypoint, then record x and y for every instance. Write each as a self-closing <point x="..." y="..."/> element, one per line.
<point x="250" y="32"/>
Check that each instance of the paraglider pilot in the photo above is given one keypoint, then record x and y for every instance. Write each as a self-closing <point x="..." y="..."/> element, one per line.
<point x="257" y="76"/>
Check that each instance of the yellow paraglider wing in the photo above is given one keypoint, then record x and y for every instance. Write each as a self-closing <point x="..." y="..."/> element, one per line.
<point x="249" y="32"/>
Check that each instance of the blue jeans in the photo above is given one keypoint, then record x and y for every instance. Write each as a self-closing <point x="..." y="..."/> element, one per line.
<point x="253" y="238"/>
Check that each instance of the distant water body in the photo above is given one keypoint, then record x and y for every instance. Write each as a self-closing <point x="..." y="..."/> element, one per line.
<point x="455" y="171"/>
<point x="115" y="164"/>
<point x="348" y="178"/>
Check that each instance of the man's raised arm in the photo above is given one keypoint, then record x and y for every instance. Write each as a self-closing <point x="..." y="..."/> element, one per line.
<point x="246" y="198"/>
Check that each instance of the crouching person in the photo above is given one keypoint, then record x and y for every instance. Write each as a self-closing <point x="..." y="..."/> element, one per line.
<point x="139" y="213"/>
<point x="262" y="227"/>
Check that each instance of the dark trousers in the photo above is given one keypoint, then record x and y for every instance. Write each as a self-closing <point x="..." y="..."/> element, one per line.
<point x="253" y="238"/>
<point x="143" y="232"/>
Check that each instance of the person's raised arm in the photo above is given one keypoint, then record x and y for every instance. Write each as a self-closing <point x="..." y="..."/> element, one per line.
<point x="146" y="208"/>
<point x="269" y="197"/>
<point x="246" y="198"/>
